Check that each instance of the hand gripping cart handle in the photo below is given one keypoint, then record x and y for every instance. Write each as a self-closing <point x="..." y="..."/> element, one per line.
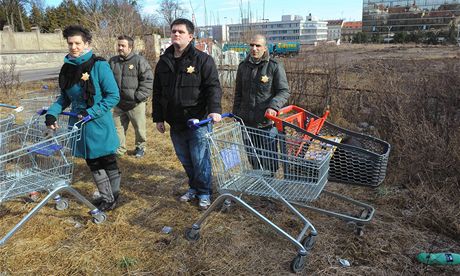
<point x="30" y="161"/>
<point x="299" y="118"/>
<point x="195" y="123"/>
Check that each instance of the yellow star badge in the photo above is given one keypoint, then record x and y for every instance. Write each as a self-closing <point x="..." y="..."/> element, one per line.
<point x="131" y="67"/>
<point x="190" y="69"/>
<point x="85" y="76"/>
<point x="264" y="79"/>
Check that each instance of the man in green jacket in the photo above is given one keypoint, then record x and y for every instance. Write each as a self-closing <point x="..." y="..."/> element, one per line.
<point x="135" y="80"/>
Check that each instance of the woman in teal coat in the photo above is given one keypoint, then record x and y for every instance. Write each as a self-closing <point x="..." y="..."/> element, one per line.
<point x="89" y="87"/>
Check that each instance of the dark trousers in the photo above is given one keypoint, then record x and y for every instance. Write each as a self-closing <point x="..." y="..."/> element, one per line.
<point x="262" y="145"/>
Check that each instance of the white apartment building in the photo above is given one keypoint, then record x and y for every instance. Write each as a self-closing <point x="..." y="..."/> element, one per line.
<point x="334" y="30"/>
<point x="290" y="28"/>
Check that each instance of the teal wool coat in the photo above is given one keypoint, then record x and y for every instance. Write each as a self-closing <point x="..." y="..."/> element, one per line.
<point x="99" y="137"/>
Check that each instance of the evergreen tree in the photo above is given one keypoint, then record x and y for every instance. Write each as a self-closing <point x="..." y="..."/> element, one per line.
<point x="51" y="20"/>
<point x="37" y="17"/>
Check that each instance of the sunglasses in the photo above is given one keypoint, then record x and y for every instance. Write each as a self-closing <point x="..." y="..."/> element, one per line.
<point x="257" y="45"/>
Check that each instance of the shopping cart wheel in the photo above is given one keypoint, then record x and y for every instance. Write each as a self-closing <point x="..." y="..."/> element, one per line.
<point x="308" y="242"/>
<point x="99" y="218"/>
<point x="298" y="263"/>
<point x="192" y="235"/>
<point x="62" y="204"/>
<point x="359" y="226"/>
<point x="34" y="196"/>
<point x="226" y="206"/>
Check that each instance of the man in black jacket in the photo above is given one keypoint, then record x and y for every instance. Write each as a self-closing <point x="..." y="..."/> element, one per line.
<point x="186" y="86"/>
<point x="261" y="88"/>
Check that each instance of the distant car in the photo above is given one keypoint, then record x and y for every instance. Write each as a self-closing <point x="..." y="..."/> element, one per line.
<point x="388" y="40"/>
<point x="441" y="40"/>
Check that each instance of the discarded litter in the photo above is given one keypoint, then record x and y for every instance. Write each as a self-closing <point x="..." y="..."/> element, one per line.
<point x="344" y="263"/>
<point x="439" y="258"/>
<point x="166" y="230"/>
<point x="96" y="194"/>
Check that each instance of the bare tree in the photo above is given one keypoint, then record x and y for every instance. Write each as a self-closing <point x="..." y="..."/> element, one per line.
<point x="13" y="9"/>
<point x="9" y="78"/>
<point x="110" y="18"/>
<point x="171" y="10"/>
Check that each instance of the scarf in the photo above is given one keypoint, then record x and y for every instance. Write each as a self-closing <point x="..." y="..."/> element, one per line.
<point x="72" y="74"/>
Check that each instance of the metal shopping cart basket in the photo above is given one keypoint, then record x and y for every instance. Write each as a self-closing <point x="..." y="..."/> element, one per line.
<point x="34" y="102"/>
<point x="7" y="119"/>
<point x="356" y="158"/>
<point x="33" y="159"/>
<point x="246" y="161"/>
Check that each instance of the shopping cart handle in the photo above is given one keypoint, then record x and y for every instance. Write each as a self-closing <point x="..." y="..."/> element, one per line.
<point x="195" y="123"/>
<point x="284" y="110"/>
<point x="66" y="113"/>
<point x="73" y="114"/>
<point x="15" y="108"/>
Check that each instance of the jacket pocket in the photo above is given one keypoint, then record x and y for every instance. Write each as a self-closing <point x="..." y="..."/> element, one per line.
<point x="190" y="89"/>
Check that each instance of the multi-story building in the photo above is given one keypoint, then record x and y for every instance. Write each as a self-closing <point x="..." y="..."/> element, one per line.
<point x="290" y="28"/>
<point x="217" y="32"/>
<point x="334" y="30"/>
<point x="349" y="29"/>
<point x="385" y="16"/>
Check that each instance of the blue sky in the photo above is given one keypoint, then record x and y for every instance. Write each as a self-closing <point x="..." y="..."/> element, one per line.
<point x="228" y="11"/>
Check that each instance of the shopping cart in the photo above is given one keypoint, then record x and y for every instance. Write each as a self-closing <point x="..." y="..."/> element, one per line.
<point x="36" y="160"/>
<point x="245" y="161"/>
<point x="34" y="102"/>
<point x="7" y="119"/>
<point x="31" y="105"/>
<point x="357" y="158"/>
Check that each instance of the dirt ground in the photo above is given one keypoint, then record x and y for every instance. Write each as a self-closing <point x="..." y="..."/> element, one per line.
<point x="131" y="241"/>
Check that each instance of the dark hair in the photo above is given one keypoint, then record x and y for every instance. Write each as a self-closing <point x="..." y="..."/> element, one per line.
<point x="74" y="30"/>
<point x="182" y="21"/>
<point x="127" y="38"/>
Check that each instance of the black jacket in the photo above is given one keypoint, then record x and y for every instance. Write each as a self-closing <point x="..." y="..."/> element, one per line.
<point x="134" y="78"/>
<point x="258" y="87"/>
<point x="185" y="88"/>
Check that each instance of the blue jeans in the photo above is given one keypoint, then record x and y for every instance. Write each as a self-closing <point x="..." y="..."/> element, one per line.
<point x="192" y="149"/>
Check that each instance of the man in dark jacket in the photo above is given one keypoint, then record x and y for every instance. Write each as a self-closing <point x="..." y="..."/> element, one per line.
<point x="134" y="78"/>
<point x="186" y="86"/>
<point x="261" y="87"/>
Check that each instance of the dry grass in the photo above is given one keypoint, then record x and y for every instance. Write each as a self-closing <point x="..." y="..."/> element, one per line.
<point x="412" y="215"/>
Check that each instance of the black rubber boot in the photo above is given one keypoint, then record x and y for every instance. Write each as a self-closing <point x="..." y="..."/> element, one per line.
<point x="107" y="206"/>
<point x="115" y="180"/>
<point x="103" y="185"/>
